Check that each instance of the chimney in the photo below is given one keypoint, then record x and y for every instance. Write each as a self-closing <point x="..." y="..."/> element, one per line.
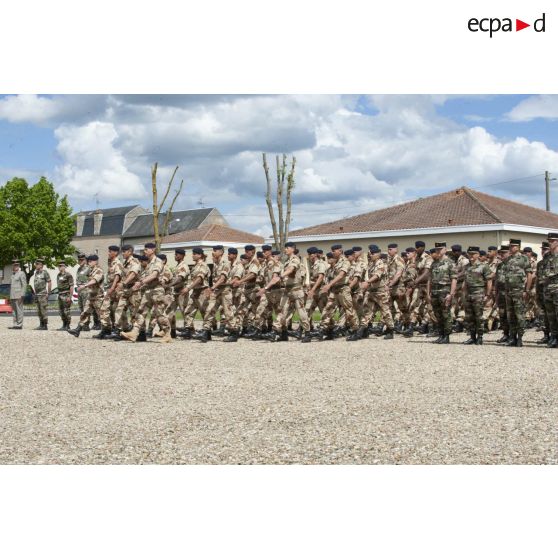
<point x="80" y="222"/>
<point x="97" y="220"/>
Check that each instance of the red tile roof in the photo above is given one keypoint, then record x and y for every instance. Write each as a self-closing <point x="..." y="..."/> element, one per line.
<point x="213" y="233"/>
<point x="461" y="207"/>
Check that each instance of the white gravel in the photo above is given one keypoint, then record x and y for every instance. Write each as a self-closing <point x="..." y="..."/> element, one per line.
<point x="67" y="400"/>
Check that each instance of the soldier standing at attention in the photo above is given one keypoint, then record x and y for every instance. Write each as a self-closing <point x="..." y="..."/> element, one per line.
<point x="396" y="266"/>
<point x="477" y="286"/>
<point x="461" y="262"/>
<point x="531" y="302"/>
<point x="179" y="281"/>
<point x="490" y="312"/>
<point x="128" y="300"/>
<point x="18" y="285"/>
<point x="376" y="296"/>
<point x="518" y="278"/>
<point x="82" y="277"/>
<point x="500" y="293"/>
<point x="545" y="251"/>
<point x="65" y="283"/>
<point x="110" y="300"/>
<point x="551" y="289"/>
<point x="443" y="285"/>
<point x="95" y="290"/>
<point x="153" y="297"/>
<point x="41" y="288"/>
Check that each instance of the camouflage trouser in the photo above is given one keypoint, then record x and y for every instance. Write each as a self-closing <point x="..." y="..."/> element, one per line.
<point x="268" y="304"/>
<point x="168" y="303"/>
<point x="65" y="306"/>
<point x="442" y="311"/>
<point x="457" y="304"/>
<point x="221" y="298"/>
<point x="318" y="301"/>
<point x="128" y="301"/>
<point x="83" y="296"/>
<point x="92" y="304"/>
<point x="248" y="305"/>
<point x="292" y="296"/>
<point x="542" y="306"/>
<point x="153" y="299"/>
<point x="339" y="297"/>
<point x="197" y="301"/>
<point x="531" y="311"/>
<point x="474" y="306"/>
<point x="551" y="307"/>
<point x="42" y="307"/>
<point x="108" y="310"/>
<point x="396" y="295"/>
<point x="178" y="302"/>
<point x="375" y="300"/>
<point x="502" y="311"/>
<point x="404" y="305"/>
<point x="515" y="308"/>
<point x="358" y="299"/>
<point x="488" y="308"/>
<point x="421" y="306"/>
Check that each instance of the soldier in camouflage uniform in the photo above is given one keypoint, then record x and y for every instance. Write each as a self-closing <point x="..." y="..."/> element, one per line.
<point x="166" y="280"/>
<point x="490" y="311"/>
<point x="421" y="306"/>
<point x="531" y="302"/>
<point x="376" y="296"/>
<point x="235" y="275"/>
<point x="128" y="299"/>
<point x="545" y="251"/>
<point x="461" y="262"/>
<point x="95" y="293"/>
<point x="500" y="293"/>
<point x="82" y="277"/>
<point x="518" y="277"/>
<point x="477" y="286"/>
<point x="65" y="283"/>
<point x="396" y="266"/>
<point x="318" y="271"/>
<point x="41" y="288"/>
<point x="179" y="281"/>
<point x="110" y="300"/>
<point x="550" y="281"/>
<point x="249" y="301"/>
<point x="357" y="277"/>
<point x="443" y="286"/>
<point x="407" y="281"/>
<point x="153" y="298"/>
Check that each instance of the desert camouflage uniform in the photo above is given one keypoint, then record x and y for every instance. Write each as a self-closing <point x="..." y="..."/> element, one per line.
<point x="179" y="301"/>
<point x="540" y="288"/>
<point x="397" y="291"/>
<point x="198" y="299"/>
<point x="110" y="301"/>
<point x="65" y="283"/>
<point x="476" y="277"/>
<point x="531" y="311"/>
<point x="128" y="300"/>
<point x="237" y="272"/>
<point x="82" y="277"/>
<point x="421" y="306"/>
<point x="319" y="300"/>
<point x="442" y="272"/>
<point x="376" y="296"/>
<point x="40" y="287"/>
<point x="500" y="298"/>
<point x="221" y="297"/>
<point x="404" y="302"/>
<point x="95" y="298"/>
<point x="166" y="278"/>
<point x="457" y="304"/>
<point x="271" y="301"/>
<point x="249" y="302"/>
<point x="490" y="311"/>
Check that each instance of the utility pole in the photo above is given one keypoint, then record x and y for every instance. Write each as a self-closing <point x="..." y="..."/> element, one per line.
<point x="547" y="180"/>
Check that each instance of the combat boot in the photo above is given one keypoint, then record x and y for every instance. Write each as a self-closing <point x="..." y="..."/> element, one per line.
<point x="255" y="333"/>
<point x="103" y="334"/>
<point x="434" y="331"/>
<point x="409" y="332"/>
<point x="232" y="337"/>
<point x="545" y="339"/>
<point x="495" y="325"/>
<point x="40" y="327"/>
<point x="296" y="333"/>
<point x="512" y="342"/>
<point x="444" y="340"/>
<point x="220" y="332"/>
<point x="283" y="335"/>
<point x="326" y="335"/>
<point x="519" y="342"/>
<point x="115" y="335"/>
<point x="173" y="333"/>
<point x="149" y="332"/>
<point x="389" y="334"/>
<point x="64" y="327"/>
<point x="131" y="335"/>
<point x="307" y="338"/>
<point x="75" y="332"/>
<point x="423" y="329"/>
<point x="357" y="335"/>
<point x="504" y="339"/>
<point x="86" y="328"/>
<point x="552" y="342"/>
<point x="204" y="336"/>
<point x="398" y="327"/>
<point x="479" y="339"/>
<point x="142" y="338"/>
<point x="458" y="328"/>
<point x="96" y="326"/>
<point x="439" y="340"/>
<point x="472" y="339"/>
<point x="186" y="334"/>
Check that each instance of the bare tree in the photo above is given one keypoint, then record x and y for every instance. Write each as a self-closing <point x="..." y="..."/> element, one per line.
<point x="281" y="229"/>
<point x="158" y="207"/>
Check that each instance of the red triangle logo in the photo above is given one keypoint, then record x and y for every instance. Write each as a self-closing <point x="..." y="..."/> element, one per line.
<point x="519" y="25"/>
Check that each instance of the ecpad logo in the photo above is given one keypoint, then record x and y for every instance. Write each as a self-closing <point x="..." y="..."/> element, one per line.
<point x="492" y="25"/>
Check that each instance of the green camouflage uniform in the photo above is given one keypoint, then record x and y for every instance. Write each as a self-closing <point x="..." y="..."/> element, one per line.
<point x="40" y="287"/>
<point x="65" y="283"/>
<point x="551" y="292"/>
<point x="540" y="289"/>
<point x="500" y="280"/>
<point x="442" y="271"/>
<point x="516" y="269"/>
<point x="82" y="277"/>
<point x="475" y="280"/>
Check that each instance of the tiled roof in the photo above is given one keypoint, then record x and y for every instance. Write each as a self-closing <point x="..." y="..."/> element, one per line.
<point x="112" y="222"/>
<point x="461" y="207"/>
<point x="213" y="233"/>
<point x="179" y="221"/>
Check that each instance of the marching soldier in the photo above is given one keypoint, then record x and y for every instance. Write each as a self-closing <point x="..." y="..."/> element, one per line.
<point x="235" y="275"/>
<point x="421" y="310"/>
<point x="197" y="290"/>
<point x="110" y="300"/>
<point x="318" y="271"/>
<point x="94" y="288"/>
<point x="518" y="277"/>
<point x="376" y="296"/>
<point x="545" y="251"/>
<point x="357" y="277"/>
<point x="178" y="282"/>
<point x="443" y="286"/>
<point x="65" y="283"/>
<point x="41" y="287"/>
<point x="82" y="277"/>
<point x="551" y="289"/>
<point x="396" y="266"/>
<point x="249" y="302"/>
<point x="166" y="280"/>
<point x="18" y="286"/>
<point x="477" y="286"/>
<point x="407" y="281"/>
<point x="128" y="299"/>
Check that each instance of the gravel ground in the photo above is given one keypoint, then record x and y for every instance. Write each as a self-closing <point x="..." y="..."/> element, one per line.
<point x="66" y="400"/>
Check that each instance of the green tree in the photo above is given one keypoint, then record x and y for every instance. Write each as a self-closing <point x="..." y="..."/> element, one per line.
<point x="35" y="222"/>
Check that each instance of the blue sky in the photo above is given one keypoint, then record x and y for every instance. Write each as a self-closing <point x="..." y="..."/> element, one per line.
<point x="354" y="153"/>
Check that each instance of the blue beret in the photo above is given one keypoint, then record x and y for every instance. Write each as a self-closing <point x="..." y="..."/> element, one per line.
<point x="275" y="252"/>
<point x="419" y="244"/>
<point x="320" y="251"/>
<point x="249" y="247"/>
<point x="142" y="258"/>
<point x="312" y="250"/>
<point x="527" y="249"/>
<point x="337" y="247"/>
<point x="493" y="248"/>
<point x="218" y="247"/>
<point x="81" y="255"/>
<point x="392" y="245"/>
<point x="150" y="245"/>
<point x="290" y="245"/>
<point x="357" y="248"/>
<point x="114" y="248"/>
<point x="266" y="248"/>
<point x="348" y="252"/>
<point x="433" y="250"/>
<point x="456" y="248"/>
<point x="243" y="257"/>
<point x="92" y="258"/>
<point x="197" y="250"/>
<point x="410" y="249"/>
<point x="232" y="251"/>
<point x="482" y="253"/>
<point x="374" y="249"/>
<point x="127" y="247"/>
<point x="473" y="249"/>
<point x="180" y="251"/>
<point x="162" y="257"/>
<point x="259" y="254"/>
<point x="329" y="255"/>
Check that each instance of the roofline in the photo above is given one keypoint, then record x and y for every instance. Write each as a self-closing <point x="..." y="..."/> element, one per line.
<point x="193" y="243"/>
<point x="421" y="231"/>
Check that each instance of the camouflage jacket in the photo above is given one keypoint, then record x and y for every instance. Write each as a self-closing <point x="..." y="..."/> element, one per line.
<point x="443" y="271"/>
<point x="82" y="274"/>
<point x="409" y="273"/>
<point x="65" y="282"/>
<point x="131" y="265"/>
<point x="201" y="269"/>
<point x="40" y="282"/>
<point x="294" y="280"/>
<point x="377" y="274"/>
<point x="342" y="264"/>
<point x="551" y="273"/>
<point x="516" y="269"/>
<point x="476" y="276"/>
<point x="99" y="277"/>
<point x="221" y="268"/>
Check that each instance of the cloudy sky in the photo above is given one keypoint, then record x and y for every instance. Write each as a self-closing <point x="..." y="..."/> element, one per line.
<point x="354" y="153"/>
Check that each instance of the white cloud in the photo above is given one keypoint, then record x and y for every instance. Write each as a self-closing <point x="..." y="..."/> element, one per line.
<point x="92" y="165"/>
<point x="537" y="106"/>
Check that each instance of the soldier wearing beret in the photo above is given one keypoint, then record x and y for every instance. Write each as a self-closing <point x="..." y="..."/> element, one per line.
<point x="166" y="280"/>
<point x="82" y="277"/>
<point x="95" y="292"/>
<point x="65" y="283"/>
<point x="110" y="299"/>
<point x="249" y="301"/>
<point x="461" y="263"/>
<point x="18" y="286"/>
<point x="421" y="306"/>
<point x="41" y="287"/>
<point x="318" y="272"/>
<point x="128" y="299"/>
<point x="490" y="312"/>
<point x="550" y="282"/>
<point x="179" y="280"/>
<point x="540" y="272"/>
<point x="407" y="281"/>
<point x="396" y="266"/>
<point x="500" y="293"/>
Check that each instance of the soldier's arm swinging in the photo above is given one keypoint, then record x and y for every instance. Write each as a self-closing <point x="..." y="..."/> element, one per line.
<point x="316" y="285"/>
<point x="289" y="271"/>
<point x="334" y="281"/>
<point x="395" y="278"/>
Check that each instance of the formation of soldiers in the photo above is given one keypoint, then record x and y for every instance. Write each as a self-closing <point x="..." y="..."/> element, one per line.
<point x="256" y="294"/>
